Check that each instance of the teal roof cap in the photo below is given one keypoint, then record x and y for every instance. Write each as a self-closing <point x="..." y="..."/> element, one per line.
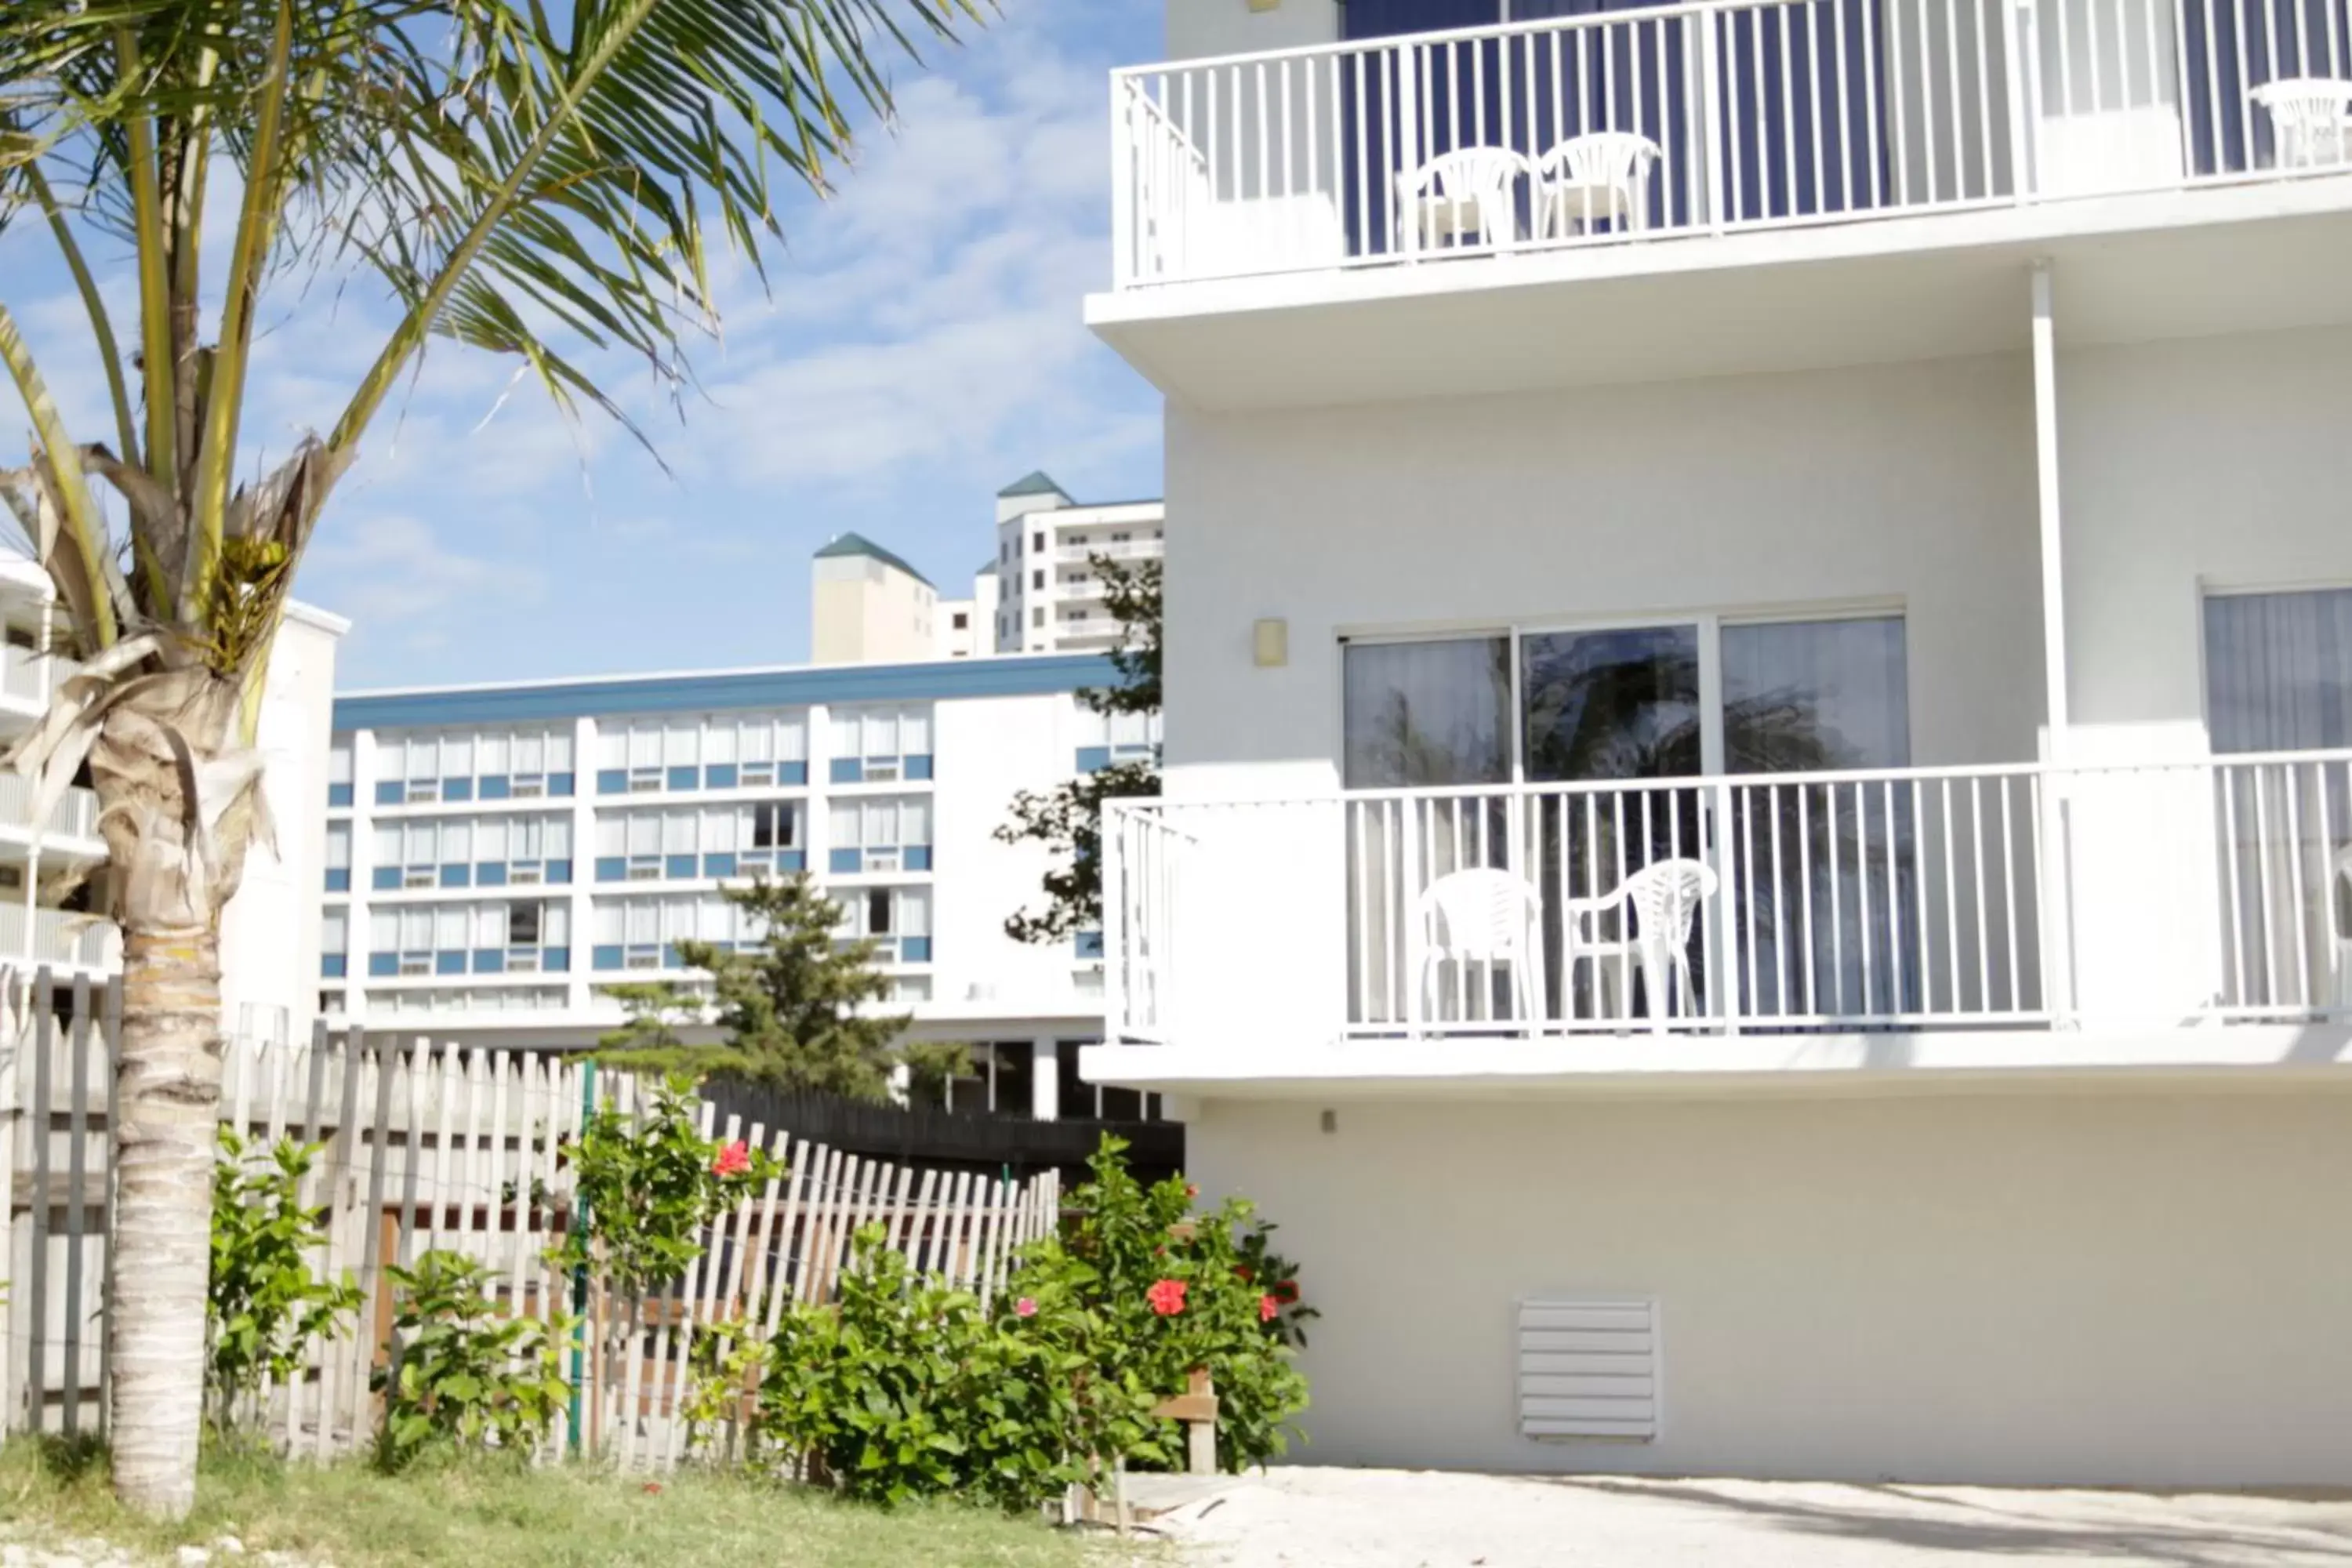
<point x="858" y="544"/>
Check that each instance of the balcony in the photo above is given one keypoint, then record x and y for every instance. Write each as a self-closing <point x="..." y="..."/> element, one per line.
<point x="2020" y="917"/>
<point x="1116" y="550"/>
<point x="72" y="826"/>
<point x="1905" y="156"/>
<point x="57" y="938"/>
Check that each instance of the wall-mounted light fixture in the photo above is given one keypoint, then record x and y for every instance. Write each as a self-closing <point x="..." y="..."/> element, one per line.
<point x="1270" y="644"/>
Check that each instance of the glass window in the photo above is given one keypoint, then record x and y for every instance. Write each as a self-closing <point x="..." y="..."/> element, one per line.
<point x="522" y="926"/>
<point x="678" y="833"/>
<point x="758" y="737"/>
<point x="1811" y="696"/>
<point x="1611" y="704"/>
<point x="681" y="739"/>
<point x="645" y="747"/>
<point x="915" y="821"/>
<point x="383" y="930"/>
<point x="881" y="734"/>
<point x="719" y="742"/>
<point x="458" y="756"/>
<point x="335" y="932"/>
<point x="491" y="839"/>
<point x="2278" y="670"/>
<point x="494" y="752"/>
<point x="877" y="912"/>
<point x="423" y="759"/>
<point x="556" y="838"/>
<point x="1424" y="713"/>
<point x="449" y="930"/>
<point x="530" y="754"/>
<point x="717" y="836"/>
<point x="385" y="845"/>
<point x="559" y="752"/>
<point x="339" y="761"/>
<point x="915" y="731"/>
<point x="456" y="842"/>
<point x="914" y="912"/>
<point x="612" y="835"/>
<point x="608" y="924"/>
<point x="416" y="930"/>
<point x="644" y="922"/>
<point x="338" y="847"/>
<point x="644" y="834"/>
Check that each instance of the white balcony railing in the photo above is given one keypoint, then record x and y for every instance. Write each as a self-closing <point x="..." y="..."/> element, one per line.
<point x="75" y="816"/>
<point x="56" y="937"/>
<point x="1116" y="550"/>
<point x="2007" y="896"/>
<point x="1642" y="125"/>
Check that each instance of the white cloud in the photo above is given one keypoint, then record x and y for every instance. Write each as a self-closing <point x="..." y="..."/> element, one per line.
<point x="397" y="581"/>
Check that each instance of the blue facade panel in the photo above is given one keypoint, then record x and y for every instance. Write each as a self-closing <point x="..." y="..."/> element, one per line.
<point x="390" y="792"/>
<point x="339" y="794"/>
<point x="556" y="959"/>
<point x="383" y="964"/>
<point x="918" y="767"/>
<point x="385" y="877"/>
<point x="719" y="864"/>
<point x="791" y="773"/>
<point x="449" y="962"/>
<point x="560" y="784"/>
<point x="489" y="960"/>
<point x="559" y="870"/>
<point x="792" y="860"/>
<point x="848" y="770"/>
<point x="1090" y="945"/>
<point x="334" y="965"/>
<point x="679" y="867"/>
<point x="606" y="957"/>
<point x="915" y="949"/>
<point x="1093" y="758"/>
<point x="685" y="778"/>
<point x="339" y="879"/>
<point x="490" y="874"/>
<point x="497" y="786"/>
<point x="845" y="860"/>
<point x="457" y="876"/>
<point x="611" y="780"/>
<point x="612" y="869"/>
<point x="457" y="789"/>
<point x="919" y="857"/>
<point x="719" y="776"/>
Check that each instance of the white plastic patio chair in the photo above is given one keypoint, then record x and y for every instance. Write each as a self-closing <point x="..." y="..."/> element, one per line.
<point x="1600" y="176"/>
<point x="1481" y="916"/>
<point x="2339" y="928"/>
<point x="1659" y="901"/>
<point x="2312" y="118"/>
<point x="1468" y="196"/>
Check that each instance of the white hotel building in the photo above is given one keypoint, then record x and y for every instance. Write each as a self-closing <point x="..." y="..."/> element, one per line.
<point x="1760" y="675"/>
<point x="498" y="857"/>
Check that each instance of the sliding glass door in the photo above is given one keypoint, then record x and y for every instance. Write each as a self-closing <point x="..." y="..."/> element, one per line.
<point x="1624" y="723"/>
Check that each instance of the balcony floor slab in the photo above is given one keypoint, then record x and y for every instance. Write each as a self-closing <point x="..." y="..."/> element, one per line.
<point x="2154" y="1055"/>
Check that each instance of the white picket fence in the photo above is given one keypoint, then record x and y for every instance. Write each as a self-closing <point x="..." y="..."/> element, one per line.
<point x="431" y="1146"/>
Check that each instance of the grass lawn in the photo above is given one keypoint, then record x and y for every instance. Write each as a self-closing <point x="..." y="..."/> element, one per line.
<point x="493" y="1517"/>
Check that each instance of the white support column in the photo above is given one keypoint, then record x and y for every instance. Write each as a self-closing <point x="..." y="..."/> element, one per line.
<point x="2057" y="854"/>
<point x="2045" y="454"/>
<point x="1046" y="1078"/>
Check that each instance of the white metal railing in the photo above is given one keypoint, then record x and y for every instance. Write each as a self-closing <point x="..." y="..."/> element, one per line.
<point x="1701" y="118"/>
<point x="57" y="937"/>
<point x="2017" y="895"/>
<point x="75" y="816"/>
<point x="1115" y="549"/>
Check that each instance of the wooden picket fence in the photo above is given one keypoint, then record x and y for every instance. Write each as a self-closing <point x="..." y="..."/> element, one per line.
<point x="427" y="1147"/>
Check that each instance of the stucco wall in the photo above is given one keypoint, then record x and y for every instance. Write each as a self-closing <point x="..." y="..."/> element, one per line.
<point x="2063" y="1289"/>
<point x="1199" y="28"/>
<point x="2210" y="462"/>
<point x="1909" y="486"/>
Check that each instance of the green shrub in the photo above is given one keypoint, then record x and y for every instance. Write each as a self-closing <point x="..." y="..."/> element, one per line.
<point x="464" y="1374"/>
<point x="905" y="1388"/>
<point x="1169" y="1290"/>
<point x="264" y="1306"/>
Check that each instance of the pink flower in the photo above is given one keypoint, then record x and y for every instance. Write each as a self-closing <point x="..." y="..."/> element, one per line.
<point x="1267" y="1307"/>
<point x="1025" y="1308"/>
<point x="733" y="1160"/>
<point x="1167" y="1297"/>
<point x="1191" y="1190"/>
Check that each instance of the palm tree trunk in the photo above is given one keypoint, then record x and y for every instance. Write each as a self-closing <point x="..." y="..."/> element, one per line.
<point x="170" y="1079"/>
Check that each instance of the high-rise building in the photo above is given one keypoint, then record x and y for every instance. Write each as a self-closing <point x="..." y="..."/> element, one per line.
<point x="1049" y="593"/>
<point x="867" y="605"/>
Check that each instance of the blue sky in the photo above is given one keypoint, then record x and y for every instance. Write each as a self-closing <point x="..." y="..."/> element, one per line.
<point x="921" y="347"/>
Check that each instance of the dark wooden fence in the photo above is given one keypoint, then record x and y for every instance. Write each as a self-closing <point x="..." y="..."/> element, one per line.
<point x="985" y="1143"/>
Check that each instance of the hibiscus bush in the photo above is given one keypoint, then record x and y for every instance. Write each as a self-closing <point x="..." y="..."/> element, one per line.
<point x="905" y="1388"/>
<point x="1162" y="1289"/>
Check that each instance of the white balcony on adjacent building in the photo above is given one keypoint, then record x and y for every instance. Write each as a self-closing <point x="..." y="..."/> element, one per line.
<point x="59" y="938"/>
<point x="69" y="829"/>
<point x="1402" y="216"/>
<point x="2187" y="916"/>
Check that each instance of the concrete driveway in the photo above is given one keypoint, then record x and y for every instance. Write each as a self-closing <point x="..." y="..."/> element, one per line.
<point x="1404" y="1518"/>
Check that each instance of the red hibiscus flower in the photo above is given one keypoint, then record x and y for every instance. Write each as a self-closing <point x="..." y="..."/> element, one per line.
<point x="1025" y="1308"/>
<point x="1287" y="1291"/>
<point x="1191" y="1190"/>
<point x="1266" y="1308"/>
<point x="1167" y="1297"/>
<point x="733" y="1160"/>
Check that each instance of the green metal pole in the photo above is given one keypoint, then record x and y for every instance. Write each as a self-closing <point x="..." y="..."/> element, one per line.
<point x="580" y="1272"/>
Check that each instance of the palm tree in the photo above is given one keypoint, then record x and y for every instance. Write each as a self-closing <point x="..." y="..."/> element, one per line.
<point x="516" y="177"/>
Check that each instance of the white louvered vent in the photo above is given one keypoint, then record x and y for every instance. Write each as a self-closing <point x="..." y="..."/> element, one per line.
<point x="1589" y="1368"/>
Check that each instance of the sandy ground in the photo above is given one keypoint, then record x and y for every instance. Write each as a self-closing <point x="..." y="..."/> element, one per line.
<point x="1401" y="1519"/>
